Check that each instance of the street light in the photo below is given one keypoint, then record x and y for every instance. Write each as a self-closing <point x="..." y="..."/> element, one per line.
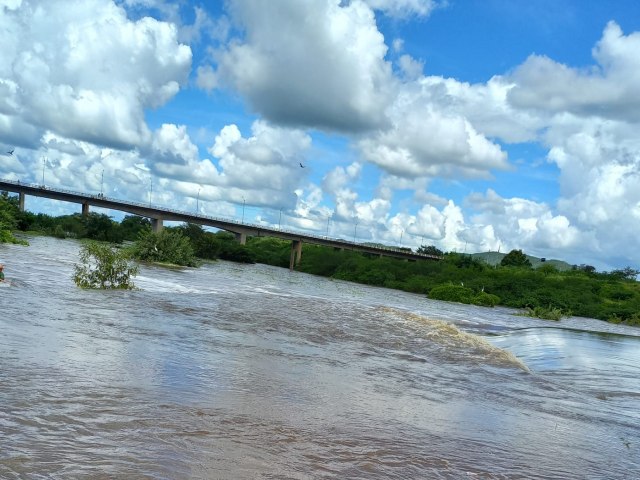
<point x="44" y="162"/>
<point x="198" y="201"/>
<point x="401" y="234"/>
<point x="243" y="204"/>
<point x="280" y="220"/>
<point x="355" y="229"/>
<point x="101" y="181"/>
<point x="150" y="188"/>
<point x="328" y="218"/>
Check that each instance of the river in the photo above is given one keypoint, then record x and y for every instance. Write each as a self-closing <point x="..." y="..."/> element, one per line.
<point x="253" y="372"/>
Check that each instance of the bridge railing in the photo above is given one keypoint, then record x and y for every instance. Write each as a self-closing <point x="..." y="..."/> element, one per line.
<point x="100" y="196"/>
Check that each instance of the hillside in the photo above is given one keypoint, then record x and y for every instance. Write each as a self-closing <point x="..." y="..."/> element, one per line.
<point x="494" y="258"/>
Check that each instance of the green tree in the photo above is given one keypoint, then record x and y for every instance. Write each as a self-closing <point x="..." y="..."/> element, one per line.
<point x="104" y="267"/>
<point x="626" y="273"/>
<point x="8" y="223"/>
<point x="430" y="250"/>
<point x="168" y="246"/>
<point x="515" y="258"/>
<point x="132" y="225"/>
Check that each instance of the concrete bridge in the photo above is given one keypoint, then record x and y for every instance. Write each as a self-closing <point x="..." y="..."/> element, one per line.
<point x="241" y="230"/>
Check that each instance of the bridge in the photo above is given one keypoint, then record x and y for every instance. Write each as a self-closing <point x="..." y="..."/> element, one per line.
<point x="241" y="230"/>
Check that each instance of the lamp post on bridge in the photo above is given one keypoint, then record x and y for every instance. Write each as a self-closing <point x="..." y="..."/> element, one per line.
<point x="44" y="162"/>
<point x="401" y="235"/>
<point x="198" y="201"/>
<point x="355" y="230"/>
<point x="328" y="218"/>
<point x="243" y="204"/>
<point x="101" y="182"/>
<point x="280" y="220"/>
<point x="150" y="188"/>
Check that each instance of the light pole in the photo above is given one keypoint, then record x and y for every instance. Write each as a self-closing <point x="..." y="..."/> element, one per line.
<point x="280" y="220"/>
<point x="355" y="229"/>
<point x="198" y="201"/>
<point x="44" y="162"/>
<point x="150" y="188"/>
<point x="401" y="234"/>
<point x="101" y="181"/>
<point x="243" y="204"/>
<point x="328" y="218"/>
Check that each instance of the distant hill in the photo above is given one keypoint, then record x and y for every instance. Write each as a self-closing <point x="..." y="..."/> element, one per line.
<point x="494" y="258"/>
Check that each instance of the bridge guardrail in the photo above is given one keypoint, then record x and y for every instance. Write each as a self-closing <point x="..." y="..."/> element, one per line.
<point x="211" y="218"/>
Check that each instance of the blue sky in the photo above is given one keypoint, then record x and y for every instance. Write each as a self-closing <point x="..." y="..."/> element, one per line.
<point x="470" y="125"/>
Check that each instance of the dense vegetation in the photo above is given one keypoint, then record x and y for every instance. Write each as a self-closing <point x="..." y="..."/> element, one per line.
<point x="8" y="221"/>
<point x="544" y="292"/>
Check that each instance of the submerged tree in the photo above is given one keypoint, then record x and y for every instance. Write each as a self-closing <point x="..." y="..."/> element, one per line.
<point x="104" y="267"/>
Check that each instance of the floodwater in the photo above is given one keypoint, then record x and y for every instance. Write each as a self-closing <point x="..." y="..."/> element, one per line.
<point x="252" y="372"/>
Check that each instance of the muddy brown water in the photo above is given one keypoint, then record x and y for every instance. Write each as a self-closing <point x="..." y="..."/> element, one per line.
<point x="252" y="372"/>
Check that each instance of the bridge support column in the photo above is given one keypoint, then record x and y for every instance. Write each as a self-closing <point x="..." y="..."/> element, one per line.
<point x="156" y="225"/>
<point x="241" y="238"/>
<point x="85" y="209"/>
<point x="296" y="253"/>
<point x="21" y="201"/>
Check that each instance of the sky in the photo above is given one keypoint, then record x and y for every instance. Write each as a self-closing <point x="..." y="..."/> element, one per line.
<point x="471" y="125"/>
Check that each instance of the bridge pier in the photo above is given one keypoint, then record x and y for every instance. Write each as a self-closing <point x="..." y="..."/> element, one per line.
<point x="21" y="201"/>
<point x="296" y="253"/>
<point x="156" y="225"/>
<point x="241" y="238"/>
<point x="85" y="209"/>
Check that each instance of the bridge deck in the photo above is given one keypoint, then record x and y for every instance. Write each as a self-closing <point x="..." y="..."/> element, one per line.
<point x="162" y="213"/>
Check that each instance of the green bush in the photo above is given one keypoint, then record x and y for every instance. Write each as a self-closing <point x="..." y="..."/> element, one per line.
<point x="545" y="313"/>
<point x="168" y="246"/>
<point x="104" y="267"/>
<point x="234" y="252"/>
<point x="485" y="299"/>
<point x="452" y="293"/>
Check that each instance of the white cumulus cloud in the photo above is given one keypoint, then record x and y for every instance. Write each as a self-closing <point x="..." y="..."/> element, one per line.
<point x="85" y="71"/>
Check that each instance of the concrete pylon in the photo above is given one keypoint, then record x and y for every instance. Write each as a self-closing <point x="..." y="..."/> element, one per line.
<point x="156" y="225"/>
<point x="241" y="238"/>
<point x="85" y="209"/>
<point x="296" y="253"/>
<point x="21" y="201"/>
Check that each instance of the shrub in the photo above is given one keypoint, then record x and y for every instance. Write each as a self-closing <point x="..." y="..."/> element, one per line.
<point x="452" y="293"/>
<point x="234" y="252"/>
<point x="168" y="246"/>
<point x="485" y="299"/>
<point x="104" y="267"/>
<point x="545" y="313"/>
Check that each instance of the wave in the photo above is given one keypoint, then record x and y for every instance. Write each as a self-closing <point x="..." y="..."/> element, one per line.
<point x="471" y="347"/>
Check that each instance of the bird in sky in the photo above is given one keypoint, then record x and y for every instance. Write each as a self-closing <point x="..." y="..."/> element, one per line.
<point x="302" y="166"/>
<point x="11" y="152"/>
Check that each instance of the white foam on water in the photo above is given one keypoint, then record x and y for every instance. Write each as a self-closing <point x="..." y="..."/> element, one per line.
<point x="448" y="335"/>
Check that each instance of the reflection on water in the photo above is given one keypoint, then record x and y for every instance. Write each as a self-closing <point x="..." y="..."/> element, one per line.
<point x="235" y="371"/>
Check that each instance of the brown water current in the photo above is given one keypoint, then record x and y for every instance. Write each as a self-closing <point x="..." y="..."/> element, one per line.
<point x="252" y="372"/>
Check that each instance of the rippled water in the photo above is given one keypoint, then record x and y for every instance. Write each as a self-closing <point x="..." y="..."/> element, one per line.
<point x="234" y="371"/>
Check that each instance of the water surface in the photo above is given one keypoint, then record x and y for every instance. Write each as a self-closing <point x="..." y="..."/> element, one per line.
<point x="249" y="371"/>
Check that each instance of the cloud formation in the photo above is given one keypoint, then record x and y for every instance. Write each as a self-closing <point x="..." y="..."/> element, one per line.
<point x="316" y="64"/>
<point x="84" y="91"/>
<point x="85" y="71"/>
